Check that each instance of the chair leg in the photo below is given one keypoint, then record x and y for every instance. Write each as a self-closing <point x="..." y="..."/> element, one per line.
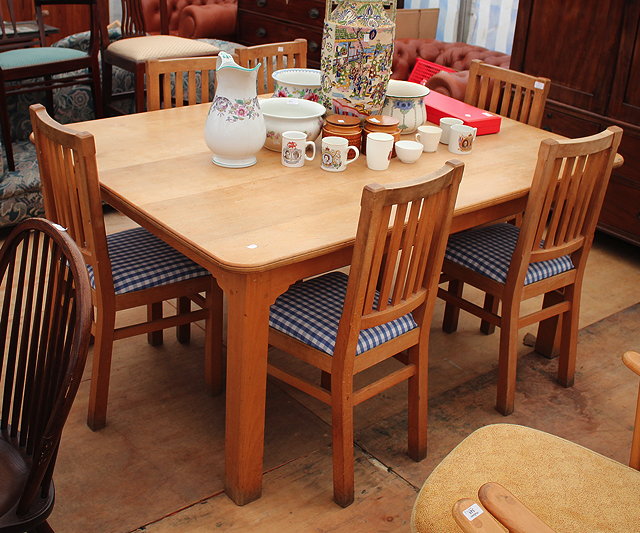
<point x="418" y="402"/>
<point x="183" y="332"/>
<point x="154" y="312"/>
<point x="139" y="88"/>
<point x="569" y="338"/>
<point x="43" y="528"/>
<point x="213" y="360"/>
<point x="342" y="423"/>
<point x="490" y="304"/>
<point x="325" y="380"/>
<point x="549" y="330"/>
<point x="508" y="358"/>
<point x="101" y="369"/>
<point x="452" y="312"/>
<point x="107" y="88"/>
<point x="5" y="125"/>
<point x="96" y="91"/>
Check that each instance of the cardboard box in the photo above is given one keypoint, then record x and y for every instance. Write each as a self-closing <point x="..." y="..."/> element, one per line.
<point x="416" y="23"/>
<point x="438" y="106"/>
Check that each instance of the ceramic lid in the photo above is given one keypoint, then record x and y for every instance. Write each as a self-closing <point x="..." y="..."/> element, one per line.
<point x="382" y="120"/>
<point x="343" y="120"/>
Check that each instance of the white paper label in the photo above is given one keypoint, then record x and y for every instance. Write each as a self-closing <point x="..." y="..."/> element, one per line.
<point x="472" y="512"/>
<point x="252" y="246"/>
<point x="280" y="48"/>
<point x="340" y="120"/>
<point x="467" y="115"/>
<point x="538" y="85"/>
<point x="374" y="120"/>
<point x="487" y="114"/>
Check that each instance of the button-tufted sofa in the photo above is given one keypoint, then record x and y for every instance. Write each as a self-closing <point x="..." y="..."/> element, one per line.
<point x="454" y="55"/>
<point x="193" y="18"/>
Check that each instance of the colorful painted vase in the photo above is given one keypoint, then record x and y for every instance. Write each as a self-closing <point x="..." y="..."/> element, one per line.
<point x="357" y="53"/>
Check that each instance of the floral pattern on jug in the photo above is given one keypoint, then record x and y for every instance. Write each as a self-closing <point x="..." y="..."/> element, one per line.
<point x="235" y="110"/>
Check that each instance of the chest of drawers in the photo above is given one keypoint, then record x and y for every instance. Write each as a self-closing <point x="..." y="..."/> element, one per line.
<point x="269" y="21"/>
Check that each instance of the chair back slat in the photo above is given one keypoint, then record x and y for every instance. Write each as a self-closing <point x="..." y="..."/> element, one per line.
<point x="166" y="78"/>
<point x="564" y="203"/>
<point x="44" y="339"/>
<point x="509" y="93"/>
<point x="133" y="24"/>
<point x="13" y="33"/>
<point x="400" y="244"/>
<point x="71" y="191"/>
<point x="271" y="58"/>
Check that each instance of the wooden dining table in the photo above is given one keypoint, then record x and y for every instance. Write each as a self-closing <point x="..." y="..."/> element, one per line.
<point x="260" y="229"/>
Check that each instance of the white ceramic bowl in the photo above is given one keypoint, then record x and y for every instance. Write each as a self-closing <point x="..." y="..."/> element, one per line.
<point x="284" y="114"/>
<point x="297" y="83"/>
<point x="408" y="151"/>
<point x="405" y="101"/>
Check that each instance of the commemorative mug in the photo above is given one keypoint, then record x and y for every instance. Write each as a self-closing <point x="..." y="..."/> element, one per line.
<point x="295" y="147"/>
<point x="461" y="139"/>
<point x="445" y="124"/>
<point x="335" y="151"/>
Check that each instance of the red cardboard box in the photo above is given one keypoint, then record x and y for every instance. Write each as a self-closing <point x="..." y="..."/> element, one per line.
<point x="438" y="106"/>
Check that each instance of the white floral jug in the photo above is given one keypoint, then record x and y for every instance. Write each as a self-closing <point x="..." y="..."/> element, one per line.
<point x="235" y="130"/>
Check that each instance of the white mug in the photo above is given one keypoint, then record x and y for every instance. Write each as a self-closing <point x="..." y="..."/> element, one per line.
<point x="379" y="148"/>
<point x="294" y="148"/>
<point x="461" y="139"/>
<point x="445" y="124"/>
<point x="429" y="137"/>
<point x="335" y="151"/>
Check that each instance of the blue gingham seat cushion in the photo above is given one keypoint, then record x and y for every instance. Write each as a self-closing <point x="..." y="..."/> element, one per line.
<point x="310" y="312"/>
<point x="139" y="260"/>
<point x="488" y="251"/>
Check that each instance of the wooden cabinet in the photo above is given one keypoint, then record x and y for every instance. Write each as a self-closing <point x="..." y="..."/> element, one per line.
<point x="269" y="21"/>
<point x="591" y="53"/>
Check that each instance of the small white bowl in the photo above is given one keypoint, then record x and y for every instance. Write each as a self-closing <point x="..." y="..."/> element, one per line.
<point x="408" y="151"/>
<point x="285" y="114"/>
<point x="297" y="83"/>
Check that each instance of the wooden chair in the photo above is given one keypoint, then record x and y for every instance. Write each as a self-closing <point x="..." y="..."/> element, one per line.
<point x="28" y="65"/>
<point x="132" y="52"/>
<point x="167" y="78"/>
<point x="272" y="57"/>
<point x="344" y="325"/>
<point x="128" y="269"/>
<point x="546" y="256"/>
<point x="507" y="92"/>
<point x="581" y="489"/>
<point x="45" y="305"/>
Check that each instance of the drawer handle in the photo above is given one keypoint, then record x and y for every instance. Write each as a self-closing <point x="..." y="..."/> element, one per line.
<point x="261" y="3"/>
<point x="314" y="13"/>
<point x="313" y="46"/>
<point x="261" y="32"/>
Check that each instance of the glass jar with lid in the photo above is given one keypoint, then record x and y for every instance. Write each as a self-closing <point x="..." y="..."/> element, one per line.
<point x="383" y="124"/>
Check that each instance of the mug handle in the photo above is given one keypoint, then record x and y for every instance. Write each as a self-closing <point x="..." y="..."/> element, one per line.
<point x="418" y="137"/>
<point x="355" y="149"/>
<point x="313" y="150"/>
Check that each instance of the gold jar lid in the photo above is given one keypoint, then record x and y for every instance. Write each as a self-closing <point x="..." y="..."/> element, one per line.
<point x="343" y="124"/>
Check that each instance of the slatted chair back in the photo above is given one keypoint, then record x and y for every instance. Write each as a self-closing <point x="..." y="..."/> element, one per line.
<point x="191" y="79"/>
<point x="12" y="33"/>
<point x="566" y="195"/>
<point x="272" y="57"/>
<point x="45" y="321"/>
<point x="395" y="271"/>
<point x="507" y="92"/>
<point x="133" y="24"/>
<point x="70" y="188"/>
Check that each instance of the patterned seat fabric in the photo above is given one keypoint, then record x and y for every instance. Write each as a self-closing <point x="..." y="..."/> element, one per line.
<point x="310" y="311"/>
<point x="488" y="251"/>
<point x="139" y="260"/>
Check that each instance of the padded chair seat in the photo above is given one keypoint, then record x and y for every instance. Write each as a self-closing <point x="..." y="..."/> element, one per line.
<point x="569" y="487"/>
<point x="26" y="57"/>
<point x="159" y="47"/>
<point x="488" y="251"/>
<point x="310" y="312"/>
<point x="139" y="260"/>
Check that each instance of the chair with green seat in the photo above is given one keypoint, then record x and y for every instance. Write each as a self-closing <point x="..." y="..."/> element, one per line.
<point x="28" y="65"/>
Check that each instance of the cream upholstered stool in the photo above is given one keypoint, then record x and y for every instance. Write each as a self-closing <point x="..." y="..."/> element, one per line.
<point x="569" y="487"/>
<point x="132" y="54"/>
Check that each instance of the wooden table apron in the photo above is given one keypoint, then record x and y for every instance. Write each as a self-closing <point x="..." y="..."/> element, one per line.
<point x="259" y="229"/>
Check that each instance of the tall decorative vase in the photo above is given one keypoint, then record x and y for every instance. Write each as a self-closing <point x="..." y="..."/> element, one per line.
<point x="357" y="52"/>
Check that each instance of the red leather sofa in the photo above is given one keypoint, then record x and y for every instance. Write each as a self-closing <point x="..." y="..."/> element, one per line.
<point x="454" y="55"/>
<point x="195" y="19"/>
